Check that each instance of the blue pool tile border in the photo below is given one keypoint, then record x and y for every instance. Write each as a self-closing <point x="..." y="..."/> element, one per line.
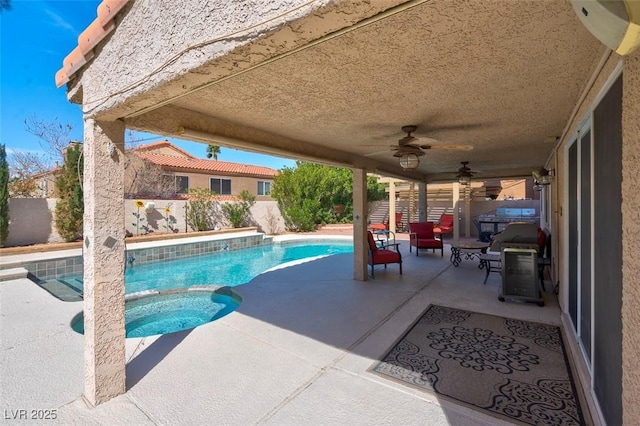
<point x="73" y="266"/>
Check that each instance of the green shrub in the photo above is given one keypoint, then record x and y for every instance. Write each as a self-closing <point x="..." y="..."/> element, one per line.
<point x="200" y="209"/>
<point x="237" y="212"/>
<point x="307" y="195"/>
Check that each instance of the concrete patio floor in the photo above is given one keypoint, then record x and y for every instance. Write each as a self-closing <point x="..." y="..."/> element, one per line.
<point x="297" y="351"/>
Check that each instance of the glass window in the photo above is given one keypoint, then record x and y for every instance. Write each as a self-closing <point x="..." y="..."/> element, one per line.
<point x="221" y="186"/>
<point x="264" y="188"/>
<point x="182" y="184"/>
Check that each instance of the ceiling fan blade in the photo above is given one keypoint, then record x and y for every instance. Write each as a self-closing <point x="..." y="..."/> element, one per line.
<point x="374" y="153"/>
<point x="448" y="147"/>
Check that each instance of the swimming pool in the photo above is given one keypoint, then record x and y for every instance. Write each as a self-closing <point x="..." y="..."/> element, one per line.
<point x="225" y="268"/>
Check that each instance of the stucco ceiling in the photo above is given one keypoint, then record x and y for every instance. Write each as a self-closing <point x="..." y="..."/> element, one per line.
<point x="500" y="76"/>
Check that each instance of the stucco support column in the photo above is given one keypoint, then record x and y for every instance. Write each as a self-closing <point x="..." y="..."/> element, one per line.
<point x="456" y="211"/>
<point x="360" y="244"/>
<point x="104" y="232"/>
<point x="467" y="211"/>
<point x="392" y="205"/>
<point x="422" y="202"/>
<point x="630" y="242"/>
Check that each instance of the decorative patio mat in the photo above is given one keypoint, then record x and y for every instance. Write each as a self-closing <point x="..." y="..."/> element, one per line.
<point x="512" y="369"/>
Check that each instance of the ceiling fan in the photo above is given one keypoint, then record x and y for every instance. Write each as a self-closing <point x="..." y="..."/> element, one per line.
<point x="410" y="144"/>
<point x="464" y="173"/>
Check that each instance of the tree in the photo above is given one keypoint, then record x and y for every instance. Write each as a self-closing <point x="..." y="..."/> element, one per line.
<point x="237" y="212"/>
<point x="4" y="195"/>
<point x="145" y="179"/>
<point x="23" y="169"/>
<point x="54" y="136"/>
<point x="307" y="194"/>
<point x="70" y="206"/>
<point x="213" y="151"/>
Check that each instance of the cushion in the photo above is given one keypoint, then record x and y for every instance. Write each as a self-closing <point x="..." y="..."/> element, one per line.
<point x="428" y="243"/>
<point x="421" y="228"/>
<point x="385" y="256"/>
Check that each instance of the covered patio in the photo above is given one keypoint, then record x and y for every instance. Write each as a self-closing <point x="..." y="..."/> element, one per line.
<point x="509" y="87"/>
<point x="299" y="350"/>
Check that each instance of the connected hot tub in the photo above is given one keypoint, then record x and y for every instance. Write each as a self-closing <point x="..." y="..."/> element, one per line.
<point x="151" y="312"/>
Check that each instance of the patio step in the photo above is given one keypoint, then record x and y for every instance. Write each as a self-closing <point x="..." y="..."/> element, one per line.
<point x="13" y="274"/>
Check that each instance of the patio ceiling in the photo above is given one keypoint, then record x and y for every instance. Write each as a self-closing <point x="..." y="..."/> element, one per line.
<point x="502" y="77"/>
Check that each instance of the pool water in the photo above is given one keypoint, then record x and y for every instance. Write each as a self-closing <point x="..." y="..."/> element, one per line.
<point x="225" y="268"/>
<point x="173" y="311"/>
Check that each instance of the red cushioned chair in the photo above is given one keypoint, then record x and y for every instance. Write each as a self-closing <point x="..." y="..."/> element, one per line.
<point x="421" y="236"/>
<point x="381" y="255"/>
<point x="445" y="224"/>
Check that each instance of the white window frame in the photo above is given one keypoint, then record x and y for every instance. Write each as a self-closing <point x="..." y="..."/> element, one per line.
<point x="262" y="184"/>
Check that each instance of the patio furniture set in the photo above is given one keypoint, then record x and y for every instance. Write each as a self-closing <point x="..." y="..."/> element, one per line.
<point x="518" y="250"/>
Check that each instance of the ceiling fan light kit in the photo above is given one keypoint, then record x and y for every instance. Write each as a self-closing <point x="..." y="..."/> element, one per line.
<point x="409" y="161"/>
<point x="410" y="148"/>
<point x="464" y="180"/>
<point x="464" y="174"/>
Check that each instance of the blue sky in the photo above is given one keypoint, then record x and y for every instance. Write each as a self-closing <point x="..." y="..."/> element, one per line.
<point x="35" y="36"/>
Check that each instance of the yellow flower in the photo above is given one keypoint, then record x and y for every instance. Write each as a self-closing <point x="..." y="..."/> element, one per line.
<point x="167" y="210"/>
<point x="139" y="204"/>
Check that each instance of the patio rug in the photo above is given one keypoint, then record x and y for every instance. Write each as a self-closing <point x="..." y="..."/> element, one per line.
<point x="512" y="369"/>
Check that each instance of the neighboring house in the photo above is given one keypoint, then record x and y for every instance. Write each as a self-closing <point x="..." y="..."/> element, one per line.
<point x="183" y="171"/>
<point x="47" y="183"/>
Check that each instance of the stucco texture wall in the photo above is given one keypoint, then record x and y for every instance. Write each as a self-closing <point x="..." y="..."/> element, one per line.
<point x="32" y="219"/>
<point x="630" y="218"/>
<point x="238" y="183"/>
<point x="179" y="36"/>
<point x="630" y="240"/>
<point x="264" y="214"/>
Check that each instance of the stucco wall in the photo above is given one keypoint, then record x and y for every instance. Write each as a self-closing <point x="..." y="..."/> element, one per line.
<point x="264" y="214"/>
<point x="32" y="219"/>
<point x="238" y="183"/>
<point x="172" y="41"/>
<point x="630" y="241"/>
<point x="630" y="217"/>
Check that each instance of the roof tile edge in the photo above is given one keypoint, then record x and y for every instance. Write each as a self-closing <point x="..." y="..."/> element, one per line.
<point x="88" y="39"/>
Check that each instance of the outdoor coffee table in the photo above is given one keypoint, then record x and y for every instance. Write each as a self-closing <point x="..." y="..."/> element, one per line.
<point x="470" y="250"/>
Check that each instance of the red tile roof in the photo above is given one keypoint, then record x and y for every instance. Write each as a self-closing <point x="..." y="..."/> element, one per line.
<point x="163" y="144"/>
<point x="89" y="38"/>
<point x="210" y="166"/>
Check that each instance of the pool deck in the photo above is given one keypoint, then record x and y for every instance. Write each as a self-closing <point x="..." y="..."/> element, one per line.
<point x="297" y="351"/>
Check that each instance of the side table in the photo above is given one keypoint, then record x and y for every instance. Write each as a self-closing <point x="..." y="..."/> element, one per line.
<point x="470" y="250"/>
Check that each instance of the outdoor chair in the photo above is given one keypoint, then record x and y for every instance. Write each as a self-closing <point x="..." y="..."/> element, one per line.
<point x="381" y="255"/>
<point x="385" y="225"/>
<point x="421" y="236"/>
<point x="445" y="224"/>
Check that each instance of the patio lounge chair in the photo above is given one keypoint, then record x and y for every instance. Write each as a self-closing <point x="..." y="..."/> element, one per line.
<point x="381" y="255"/>
<point x="421" y="236"/>
<point x="385" y="225"/>
<point x="445" y="224"/>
